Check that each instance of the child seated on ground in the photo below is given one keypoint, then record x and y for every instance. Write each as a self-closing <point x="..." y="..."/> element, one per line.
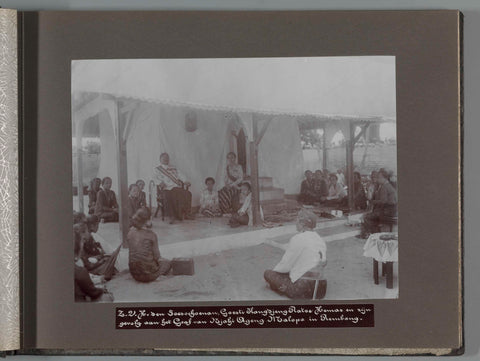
<point x="305" y="256"/>
<point x="209" y="205"/>
<point x="142" y="197"/>
<point x="106" y="207"/>
<point x="243" y="214"/>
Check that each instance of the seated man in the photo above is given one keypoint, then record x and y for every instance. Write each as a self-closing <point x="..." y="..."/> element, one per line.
<point x="179" y="199"/>
<point x="384" y="205"/>
<point x="106" y="207"/>
<point x="305" y="255"/>
<point x="308" y="195"/>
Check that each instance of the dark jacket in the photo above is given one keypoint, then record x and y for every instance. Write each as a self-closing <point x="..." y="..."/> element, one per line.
<point x="106" y="201"/>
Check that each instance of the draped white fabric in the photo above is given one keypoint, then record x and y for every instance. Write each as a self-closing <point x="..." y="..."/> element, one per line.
<point x="162" y="91"/>
<point x="200" y="154"/>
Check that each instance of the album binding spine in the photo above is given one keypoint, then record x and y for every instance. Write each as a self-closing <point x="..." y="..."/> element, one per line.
<point x="9" y="201"/>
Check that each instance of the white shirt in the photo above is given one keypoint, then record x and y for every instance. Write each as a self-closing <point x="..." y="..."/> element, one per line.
<point x="160" y="177"/>
<point x="304" y="252"/>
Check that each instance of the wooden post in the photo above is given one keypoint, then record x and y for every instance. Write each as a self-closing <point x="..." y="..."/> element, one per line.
<point x="350" y="148"/>
<point x="78" y="143"/>
<point x="324" y="149"/>
<point x="121" y="158"/>
<point x="254" y="174"/>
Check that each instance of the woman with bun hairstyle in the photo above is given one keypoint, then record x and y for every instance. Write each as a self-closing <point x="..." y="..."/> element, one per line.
<point x="144" y="260"/>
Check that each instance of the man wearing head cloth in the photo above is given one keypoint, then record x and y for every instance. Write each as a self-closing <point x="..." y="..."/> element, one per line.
<point x="175" y="186"/>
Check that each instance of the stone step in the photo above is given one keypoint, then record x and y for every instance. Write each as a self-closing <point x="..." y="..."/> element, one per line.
<point x="271" y="193"/>
<point x="265" y="182"/>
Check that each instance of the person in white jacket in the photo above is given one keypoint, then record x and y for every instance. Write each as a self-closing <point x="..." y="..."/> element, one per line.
<point x="305" y="255"/>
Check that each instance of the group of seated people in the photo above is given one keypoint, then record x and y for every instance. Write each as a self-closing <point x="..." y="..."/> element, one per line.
<point x="234" y="198"/>
<point x="378" y="196"/>
<point x="91" y="260"/>
<point x="103" y="201"/>
<point x="294" y="276"/>
<point x="329" y="189"/>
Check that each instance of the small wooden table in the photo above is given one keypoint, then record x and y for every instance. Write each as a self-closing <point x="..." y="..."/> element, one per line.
<point x="382" y="247"/>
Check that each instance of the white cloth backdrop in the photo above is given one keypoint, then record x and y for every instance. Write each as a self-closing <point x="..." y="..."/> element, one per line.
<point x="159" y="128"/>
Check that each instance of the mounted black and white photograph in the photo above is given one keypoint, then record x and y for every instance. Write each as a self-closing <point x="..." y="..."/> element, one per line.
<point x="234" y="179"/>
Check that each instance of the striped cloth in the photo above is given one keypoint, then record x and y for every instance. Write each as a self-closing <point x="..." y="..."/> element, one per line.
<point x="228" y="199"/>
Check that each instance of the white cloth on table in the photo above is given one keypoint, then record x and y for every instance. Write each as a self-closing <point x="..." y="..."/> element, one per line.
<point x="381" y="250"/>
<point x="304" y="252"/>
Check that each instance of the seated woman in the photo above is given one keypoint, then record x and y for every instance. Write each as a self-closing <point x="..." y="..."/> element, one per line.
<point x="209" y="205"/>
<point x="305" y="255"/>
<point x="142" y="197"/>
<point x="228" y="195"/>
<point x="92" y="194"/>
<point x="133" y="203"/>
<point x="85" y="290"/>
<point x="144" y="260"/>
<point x="243" y="215"/>
<point x="336" y="193"/>
<point x="106" y="207"/>
<point x="359" y="196"/>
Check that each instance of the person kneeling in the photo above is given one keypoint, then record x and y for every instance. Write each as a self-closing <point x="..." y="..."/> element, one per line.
<point x="305" y="256"/>
<point x="244" y="214"/>
<point x="144" y="260"/>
